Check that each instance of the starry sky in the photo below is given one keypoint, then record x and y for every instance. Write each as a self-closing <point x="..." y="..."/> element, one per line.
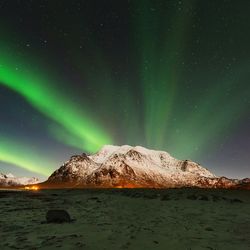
<point x="164" y="74"/>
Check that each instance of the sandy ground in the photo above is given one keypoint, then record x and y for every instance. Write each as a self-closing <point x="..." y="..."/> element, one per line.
<point x="127" y="219"/>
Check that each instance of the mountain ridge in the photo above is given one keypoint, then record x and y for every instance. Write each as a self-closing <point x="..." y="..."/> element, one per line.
<point x="135" y="167"/>
<point x="9" y="180"/>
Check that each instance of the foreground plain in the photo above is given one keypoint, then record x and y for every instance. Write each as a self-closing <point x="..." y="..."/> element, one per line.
<point x="127" y="219"/>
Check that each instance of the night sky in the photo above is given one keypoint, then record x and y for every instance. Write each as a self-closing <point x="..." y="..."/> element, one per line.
<point x="167" y="75"/>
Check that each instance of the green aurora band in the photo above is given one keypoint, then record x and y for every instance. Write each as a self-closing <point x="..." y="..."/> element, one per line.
<point x="159" y="69"/>
<point x="72" y="125"/>
<point x="40" y="93"/>
<point x="169" y="123"/>
<point x="22" y="155"/>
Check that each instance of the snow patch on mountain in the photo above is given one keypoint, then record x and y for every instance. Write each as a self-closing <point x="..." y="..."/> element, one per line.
<point x="8" y="180"/>
<point x="127" y="165"/>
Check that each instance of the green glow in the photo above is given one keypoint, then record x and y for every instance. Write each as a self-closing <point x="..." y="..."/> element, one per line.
<point x="158" y="67"/>
<point x="186" y="131"/>
<point x="38" y="90"/>
<point x="21" y="155"/>
<point x="217" y="115"/>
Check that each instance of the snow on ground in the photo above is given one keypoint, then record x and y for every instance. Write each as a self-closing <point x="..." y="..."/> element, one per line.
<point x="127" y="219"/>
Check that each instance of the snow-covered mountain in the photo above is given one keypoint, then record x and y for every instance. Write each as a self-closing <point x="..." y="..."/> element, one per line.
<point x="127" y="166"/>
<point x="9" y="180"/>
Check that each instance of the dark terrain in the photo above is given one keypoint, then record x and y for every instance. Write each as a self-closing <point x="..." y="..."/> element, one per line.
<point x="126" y="219"/>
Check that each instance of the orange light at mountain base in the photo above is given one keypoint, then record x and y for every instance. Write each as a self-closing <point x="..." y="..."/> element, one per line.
<point x="33" y="188"/>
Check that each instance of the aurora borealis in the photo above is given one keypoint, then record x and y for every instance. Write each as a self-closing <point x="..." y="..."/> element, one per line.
<point x="167" y="75"/>
<point x="39" y="92"/>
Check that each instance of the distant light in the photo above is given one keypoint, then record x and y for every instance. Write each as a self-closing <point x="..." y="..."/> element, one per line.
<point x="31" y="188"/>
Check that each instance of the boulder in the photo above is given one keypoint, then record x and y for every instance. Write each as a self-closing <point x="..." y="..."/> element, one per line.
<point x="58" y="216"/>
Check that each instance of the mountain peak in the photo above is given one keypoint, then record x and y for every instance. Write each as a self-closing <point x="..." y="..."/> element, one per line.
<point x="128" y="166"/>
<point x="9" y="175"/>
